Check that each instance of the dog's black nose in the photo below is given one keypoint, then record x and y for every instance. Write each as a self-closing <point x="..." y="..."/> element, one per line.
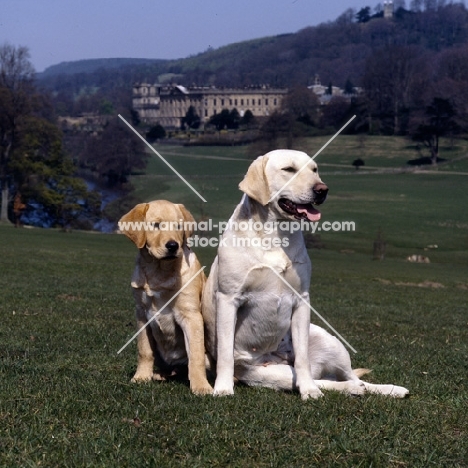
<point x="320" y="192"/>
<point x="172" y="246"/>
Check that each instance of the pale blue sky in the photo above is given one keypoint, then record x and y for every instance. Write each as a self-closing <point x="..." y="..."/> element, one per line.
<point x="61" y="30"/>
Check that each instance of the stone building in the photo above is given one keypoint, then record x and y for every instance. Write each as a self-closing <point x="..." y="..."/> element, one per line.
<point x="167" y="105"/>
<point x="388" y="9"/>
<point x="323" y="92"/>
<point x="146" y="101"/>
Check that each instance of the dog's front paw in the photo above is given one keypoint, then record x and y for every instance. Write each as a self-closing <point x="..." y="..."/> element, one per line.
<point x="222" y="389"/>
<point x="201" y="389"/>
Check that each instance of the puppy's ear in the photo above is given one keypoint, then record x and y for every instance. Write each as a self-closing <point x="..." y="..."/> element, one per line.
<point x="255" y="184"/>
<point x="137" y="214"/>
<point x="189" y="221"/>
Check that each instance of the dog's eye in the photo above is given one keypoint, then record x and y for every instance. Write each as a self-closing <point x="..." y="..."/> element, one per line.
<point x="289" y="169"/>
<point x="156" y="225"/>
<point x="314" y="169"/>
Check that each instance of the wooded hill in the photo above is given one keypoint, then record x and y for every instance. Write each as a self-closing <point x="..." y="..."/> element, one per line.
<point x="337" y="51"/>
<point x="92" y="65"/>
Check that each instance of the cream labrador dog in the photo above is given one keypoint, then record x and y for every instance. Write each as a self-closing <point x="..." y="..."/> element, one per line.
<point x="164" y="265"/>
<point x="256" y="300"/>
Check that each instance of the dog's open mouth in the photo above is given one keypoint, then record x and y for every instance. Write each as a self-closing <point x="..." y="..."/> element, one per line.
<point x="298" y="210"/>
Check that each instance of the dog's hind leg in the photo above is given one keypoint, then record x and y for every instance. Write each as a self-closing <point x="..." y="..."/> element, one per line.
<point x="275" y="376"/>
<point x="351" y="387"/>
<point x="390" y="390"/>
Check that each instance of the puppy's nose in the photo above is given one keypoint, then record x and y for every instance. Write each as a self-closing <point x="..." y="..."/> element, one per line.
<point x="172" y="246"/>
<point x="320" y="192"/>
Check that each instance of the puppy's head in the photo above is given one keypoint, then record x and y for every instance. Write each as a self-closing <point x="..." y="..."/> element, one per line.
<point x="288" y="182"/>
<point x="160" y="226"/>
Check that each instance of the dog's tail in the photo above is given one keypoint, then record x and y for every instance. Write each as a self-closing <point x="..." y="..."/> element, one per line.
<point x="360" y="372"/>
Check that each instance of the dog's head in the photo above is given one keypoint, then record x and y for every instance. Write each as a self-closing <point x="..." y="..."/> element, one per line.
<point x="288" y="182"/>
<point x="160" y="226"/>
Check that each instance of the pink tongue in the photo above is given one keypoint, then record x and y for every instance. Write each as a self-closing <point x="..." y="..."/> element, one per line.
<point x="311" y="213"/>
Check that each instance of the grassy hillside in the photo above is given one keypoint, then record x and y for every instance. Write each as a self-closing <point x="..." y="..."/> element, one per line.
<point x="413" y="210"/>
<point x="67" y="308"/>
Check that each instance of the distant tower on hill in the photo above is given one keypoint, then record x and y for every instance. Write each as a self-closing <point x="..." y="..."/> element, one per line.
<point x="388" y="9"/>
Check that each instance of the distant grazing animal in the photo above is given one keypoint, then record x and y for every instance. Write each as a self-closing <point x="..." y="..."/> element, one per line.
<point x="418" y="259"/>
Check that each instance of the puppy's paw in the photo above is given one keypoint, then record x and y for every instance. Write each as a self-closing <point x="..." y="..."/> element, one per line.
<point x="140" y="377"/>
<point x="201" y="389"/>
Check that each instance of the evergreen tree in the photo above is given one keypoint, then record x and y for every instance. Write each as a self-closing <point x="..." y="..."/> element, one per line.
<point x="191" y="119"/>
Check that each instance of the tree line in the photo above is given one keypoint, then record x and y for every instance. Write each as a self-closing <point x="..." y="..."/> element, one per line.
<point x="338" y="51"/>
<point x="412" y="71"/>
<point x="410" y="67"/>
<point x="39" y="179"/>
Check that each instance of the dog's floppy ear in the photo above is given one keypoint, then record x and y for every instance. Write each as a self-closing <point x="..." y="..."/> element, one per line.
<point x="137" y="214"/>
<point x="255" y="184"/>
<point x="189" y="221"/>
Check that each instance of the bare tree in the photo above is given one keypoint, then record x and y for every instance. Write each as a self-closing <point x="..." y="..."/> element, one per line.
<point x="416" y="5"/>
<point x="16" y="91"/>
<point x="389" y="81"/>
<point x="299" y="105"/>
<point x="399" y="4"/>
<point x="114" y="154"/>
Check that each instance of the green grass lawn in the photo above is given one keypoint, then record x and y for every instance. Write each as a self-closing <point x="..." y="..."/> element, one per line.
<point x="65" y="396"/>
<point x="66" y="400"/>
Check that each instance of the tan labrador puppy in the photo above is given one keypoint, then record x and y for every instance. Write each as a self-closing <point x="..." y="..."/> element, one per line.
<point x="164" y="265"/>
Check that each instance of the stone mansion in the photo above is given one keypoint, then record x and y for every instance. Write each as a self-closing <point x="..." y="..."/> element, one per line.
<point x="167" y="105"/>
